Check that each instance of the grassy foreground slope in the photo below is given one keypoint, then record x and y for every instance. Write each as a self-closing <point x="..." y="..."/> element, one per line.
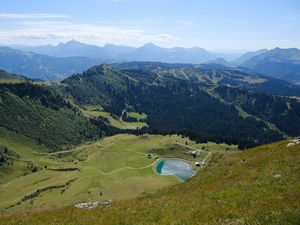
<point x="258" y="186"/>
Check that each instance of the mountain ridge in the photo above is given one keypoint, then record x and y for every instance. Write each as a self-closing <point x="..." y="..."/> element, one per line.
<point x="158" y="95"/>
<point x="147" y="52"/>
<point x="40" y="66"/>
<point x="279" y="63"/>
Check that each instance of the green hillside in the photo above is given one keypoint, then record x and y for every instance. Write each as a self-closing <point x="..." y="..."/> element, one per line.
<point x="6" y="77"/>
<point x="187" y="101"/>
<point x="37" y="111"/>
<point x="184" y="105"/>
<point x="258" y="186"/>
<point x="212" y="75"/>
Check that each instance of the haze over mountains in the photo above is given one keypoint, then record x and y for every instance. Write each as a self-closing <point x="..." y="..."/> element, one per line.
<point x="280" y="63"/>
<point x="42" y="67"/>
<point x="147" y="52"/>
<point x="58" y="62"/>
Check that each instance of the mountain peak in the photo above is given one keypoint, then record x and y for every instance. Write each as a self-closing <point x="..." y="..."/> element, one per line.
<point x="98" y="70"/>
<point x="72" y="42"/>
<point x="150" y="46"/>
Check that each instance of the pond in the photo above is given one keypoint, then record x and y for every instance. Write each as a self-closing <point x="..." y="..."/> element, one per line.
<point x="175" y="167"/>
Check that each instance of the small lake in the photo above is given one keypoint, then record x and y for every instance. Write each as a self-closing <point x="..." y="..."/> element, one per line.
<point x="175" y="167"/>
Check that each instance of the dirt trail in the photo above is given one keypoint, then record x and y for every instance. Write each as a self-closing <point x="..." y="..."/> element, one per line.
<point x="124" y="168"/>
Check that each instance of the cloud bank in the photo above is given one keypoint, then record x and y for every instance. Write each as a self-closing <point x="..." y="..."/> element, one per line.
<point x="39" y="29"/>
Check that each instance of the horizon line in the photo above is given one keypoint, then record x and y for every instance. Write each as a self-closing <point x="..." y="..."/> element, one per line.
<point x="148" y="43"/>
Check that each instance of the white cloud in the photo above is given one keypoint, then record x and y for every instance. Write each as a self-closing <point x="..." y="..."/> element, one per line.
<point x="44" y="32"/>
<point x="32" y="16"/>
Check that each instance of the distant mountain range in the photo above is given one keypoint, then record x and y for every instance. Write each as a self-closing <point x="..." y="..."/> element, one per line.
<point x="75" y="48"/>
<point x="147" y="52"/>
<point x="280" y="63"/>
<point x="43" y="67"/>
<point x="109" y="52"/>
<point x="58" y="62"/>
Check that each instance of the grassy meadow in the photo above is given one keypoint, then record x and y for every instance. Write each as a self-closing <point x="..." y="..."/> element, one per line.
<point x="258" y="186"/>
<point x="92" y="111"/>
<point x="112" y="168"/>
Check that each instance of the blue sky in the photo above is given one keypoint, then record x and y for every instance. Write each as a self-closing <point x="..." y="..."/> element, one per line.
<point x="211" y="24"/>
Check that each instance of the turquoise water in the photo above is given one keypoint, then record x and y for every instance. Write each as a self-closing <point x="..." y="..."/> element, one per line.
<point x="175" y="167"/>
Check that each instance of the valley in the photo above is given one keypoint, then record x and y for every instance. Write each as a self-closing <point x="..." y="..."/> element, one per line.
<point x="128" y="112"/>
<point x="149" y="142"/>
<point x="108" y="134"/>
<point x="190" y="143"/>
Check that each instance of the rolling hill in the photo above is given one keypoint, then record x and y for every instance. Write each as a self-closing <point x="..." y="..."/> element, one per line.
<point x="219" y="61"/>
<point x="160" y="93"/>
<point x="6" y="77"/>
<point x="191" y="92"/>
<point x="214" y="74"/>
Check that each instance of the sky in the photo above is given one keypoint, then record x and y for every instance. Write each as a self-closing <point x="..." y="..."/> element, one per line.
<point x="224" y="25"/>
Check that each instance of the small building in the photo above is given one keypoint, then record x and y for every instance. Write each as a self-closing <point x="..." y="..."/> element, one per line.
<point x="194" y="153"/>
<point x="200" y="164"/>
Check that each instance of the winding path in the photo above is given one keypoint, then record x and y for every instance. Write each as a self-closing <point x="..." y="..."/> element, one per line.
<point x="17" y="178"/>
<point x="65" y="151"/>
<point x="144" y="167"/>
<point x="119" y="169"/>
